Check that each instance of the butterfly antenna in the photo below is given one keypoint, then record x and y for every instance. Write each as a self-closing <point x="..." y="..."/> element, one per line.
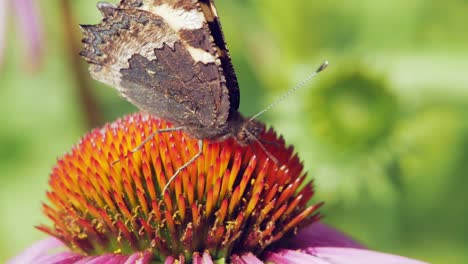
<point x="270" y="156"/>
<point x="292" y="90"/>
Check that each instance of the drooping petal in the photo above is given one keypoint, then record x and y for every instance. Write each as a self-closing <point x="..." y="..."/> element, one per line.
<point x="136" y="258"/>
<point x="52" y="251"/>
<point x="139" y="258"/>
<point x="3" y="23"/>
<point x="205" y="258"/>
<point x="41" y="251"/>
<point x="321" y="235"/>
<point x="363" y="256"/>
<point x="29" y="24"/>
<point x="337" y="255"/>
<point x="293" y="257"/>
<point x="103" y="259"/>
<point x="60" y="258"/>
<point x="247" y="258"/>
<point x="169" y="260"/>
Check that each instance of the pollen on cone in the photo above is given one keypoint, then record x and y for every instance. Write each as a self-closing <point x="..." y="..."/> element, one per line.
<point x="232" y="199"/>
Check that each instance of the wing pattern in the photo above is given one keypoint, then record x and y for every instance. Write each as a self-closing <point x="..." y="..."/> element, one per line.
<point x="162" y="57"/>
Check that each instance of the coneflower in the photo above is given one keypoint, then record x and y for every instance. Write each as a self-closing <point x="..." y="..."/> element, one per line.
<point x="233" y="204"/>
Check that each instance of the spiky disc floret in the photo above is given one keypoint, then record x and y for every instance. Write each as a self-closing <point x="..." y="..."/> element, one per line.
<point x="232" y="199"/>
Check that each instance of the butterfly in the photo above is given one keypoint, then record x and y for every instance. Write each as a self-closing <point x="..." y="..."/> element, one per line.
<point x="169" y="58"/>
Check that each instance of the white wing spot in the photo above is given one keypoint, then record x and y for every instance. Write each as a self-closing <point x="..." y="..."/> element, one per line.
<point x="177" y="19"/>
<point x="199" y="55"/>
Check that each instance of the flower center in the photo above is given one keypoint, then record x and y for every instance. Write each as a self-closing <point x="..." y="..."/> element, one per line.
<point x="232" y="199"/>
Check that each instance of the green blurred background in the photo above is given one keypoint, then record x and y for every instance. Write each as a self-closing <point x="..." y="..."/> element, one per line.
<point x="383" y="131"/>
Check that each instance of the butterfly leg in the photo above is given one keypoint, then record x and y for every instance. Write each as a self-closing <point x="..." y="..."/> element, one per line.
<point x="147" y="139"/>
<point x="200" y="151"/>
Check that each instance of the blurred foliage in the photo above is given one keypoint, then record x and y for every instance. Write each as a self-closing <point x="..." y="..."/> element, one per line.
<point x="352" y="109"/>
<point x="383" y="131"/>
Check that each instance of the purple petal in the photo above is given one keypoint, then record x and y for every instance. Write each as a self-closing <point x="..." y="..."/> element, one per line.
<point x="341" y="255"/>
<point x="29" y="23"/>
<point x="3" y="24"/>
<point x="139" y="258"/>
<point x="337" y="255"/>
<point x="321" y="235"/>
<point x="104" y="259"/>
<point x="293" y="257"/>
<point x="204" y="259"/>
<point x="38" y="251"/>
<point x="247" y="258"/>
<point x="60" y="258"/>
<point x="197" y="259"/>
<point x="169" y="260"/>
<point x="47" y="251"/>
<point x="136" y="258"/>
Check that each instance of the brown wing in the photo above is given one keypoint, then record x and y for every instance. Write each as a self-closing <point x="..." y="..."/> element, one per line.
<point x="214" y="24"/>
<point x="162" y="58"/>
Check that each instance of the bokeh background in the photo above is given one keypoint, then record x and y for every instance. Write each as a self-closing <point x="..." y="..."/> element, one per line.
<point x="383" y="131"/>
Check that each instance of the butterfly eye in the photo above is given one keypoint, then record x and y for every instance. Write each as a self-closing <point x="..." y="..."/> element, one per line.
<point x="241" y="136"/>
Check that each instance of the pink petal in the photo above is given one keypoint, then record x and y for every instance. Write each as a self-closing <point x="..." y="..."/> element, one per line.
<point x="3" y="24"/>
<point x="362" y="256"/>
<point x="27" y="14"/>
<point x="207" y="258"/>
<point x="321" y="235"/>
<point x="60" y="258"/>
<point x="136" y="258"/>
<point x="293" y="257"/>
<point x="204" y="259"/>
<point x="104" y="259"/>
<point x="139" y="258"/>
<point x="48" y="251"/>
<point x="247" y="258"/>
<point x="38" y="251"/>
<point x="197" y="259"/>
<point x="337" y="255"/>
<point x="169" y="260"/>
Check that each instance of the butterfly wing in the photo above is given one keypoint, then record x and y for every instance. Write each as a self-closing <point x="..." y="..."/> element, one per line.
<point x="211" y="15"/>
<point x="162" y="57"/>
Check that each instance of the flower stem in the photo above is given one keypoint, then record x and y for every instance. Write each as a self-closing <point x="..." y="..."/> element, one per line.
<point x="90" y="107"/>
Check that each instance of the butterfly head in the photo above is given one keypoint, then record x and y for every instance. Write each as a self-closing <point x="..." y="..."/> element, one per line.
<point x="247" y="132"/>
